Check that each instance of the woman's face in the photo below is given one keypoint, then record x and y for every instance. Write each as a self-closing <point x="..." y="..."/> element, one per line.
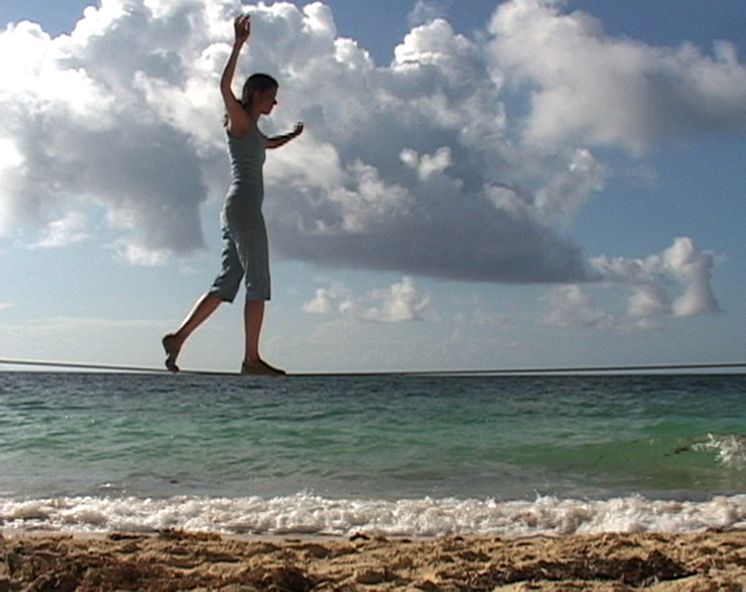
<point x="266" y="100"/>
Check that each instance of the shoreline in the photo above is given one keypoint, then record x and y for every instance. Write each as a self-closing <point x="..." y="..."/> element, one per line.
<point x="179" y="560"/>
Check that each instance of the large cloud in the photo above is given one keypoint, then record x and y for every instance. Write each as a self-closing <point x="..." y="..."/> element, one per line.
<point x="83" y="133"/>
<point x="413" y="168"/>
<point x="586" y="86"/>
<point x="418" y="166"/>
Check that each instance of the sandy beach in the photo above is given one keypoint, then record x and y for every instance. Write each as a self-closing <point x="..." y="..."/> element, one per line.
<point x="175" y="560"/>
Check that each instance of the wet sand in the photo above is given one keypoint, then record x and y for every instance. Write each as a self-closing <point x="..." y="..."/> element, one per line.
<point x="175" y="560"/>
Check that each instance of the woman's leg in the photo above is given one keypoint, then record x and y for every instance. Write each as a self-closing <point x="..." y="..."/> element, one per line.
<point x="253" y="318"/>
<point x="172" y="343"/>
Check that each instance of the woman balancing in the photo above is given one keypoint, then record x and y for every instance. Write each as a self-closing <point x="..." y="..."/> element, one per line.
<point x="245" y="253"/>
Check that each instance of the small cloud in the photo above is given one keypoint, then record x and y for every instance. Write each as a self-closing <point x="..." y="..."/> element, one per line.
<point x="138" y="255"/>
<point x="400" y="302"/>
<point x="427" y="164"/>
<point x="693" y="269"/>
<point x="65" y="231"/>
<point x="673" y="283"/>
<point x="682" y="264"/>
<point x="327" y="299"/>
<point x="322" y="303"/>
<point x="5" y="306"/>
<point x="570" y="307"/>
<point x="425" y="11"/>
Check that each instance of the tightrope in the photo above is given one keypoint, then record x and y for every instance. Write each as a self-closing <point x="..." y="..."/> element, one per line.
<point x="452" y="372"/>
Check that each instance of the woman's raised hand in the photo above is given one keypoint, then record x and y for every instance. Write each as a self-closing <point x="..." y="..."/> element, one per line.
<point x="242" y="27"/>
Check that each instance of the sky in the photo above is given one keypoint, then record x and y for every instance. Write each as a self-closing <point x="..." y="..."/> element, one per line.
<point x="481" y="184"/>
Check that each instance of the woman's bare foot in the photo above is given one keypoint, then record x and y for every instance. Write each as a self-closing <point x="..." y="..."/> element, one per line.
<point x="260" y="368"/>
<point x="172" y="347"/>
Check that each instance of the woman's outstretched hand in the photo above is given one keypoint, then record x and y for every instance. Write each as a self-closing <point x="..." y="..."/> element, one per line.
<point x="242" y="28"/>
<point x="278" y="141"/>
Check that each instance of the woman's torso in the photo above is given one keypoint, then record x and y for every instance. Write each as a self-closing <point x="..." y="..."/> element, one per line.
<point x="247" y="155"/>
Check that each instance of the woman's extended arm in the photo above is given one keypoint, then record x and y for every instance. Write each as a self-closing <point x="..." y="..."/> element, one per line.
<point x="238" y="120"/>
<point x="278" y="141"/>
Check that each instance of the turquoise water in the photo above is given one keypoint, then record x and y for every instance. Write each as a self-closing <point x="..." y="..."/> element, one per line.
<point x="109" y="451"/>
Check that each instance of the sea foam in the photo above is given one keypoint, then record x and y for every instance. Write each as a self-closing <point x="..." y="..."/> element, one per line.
<point x="306" y="513"/>
<point x="730" y="449"/>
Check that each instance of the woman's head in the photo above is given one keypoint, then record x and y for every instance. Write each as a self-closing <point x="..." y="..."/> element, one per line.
<point x="260" y="90"/>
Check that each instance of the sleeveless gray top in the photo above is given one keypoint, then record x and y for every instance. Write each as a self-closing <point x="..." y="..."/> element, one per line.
<point x="247" y="157"/>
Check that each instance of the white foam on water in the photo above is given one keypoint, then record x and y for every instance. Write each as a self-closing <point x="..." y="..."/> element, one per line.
<point x="425" y="517"/>
<point x="730" y="449"/>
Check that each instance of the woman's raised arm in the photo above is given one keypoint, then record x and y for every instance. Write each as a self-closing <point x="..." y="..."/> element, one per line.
<point x="238" y="120"/>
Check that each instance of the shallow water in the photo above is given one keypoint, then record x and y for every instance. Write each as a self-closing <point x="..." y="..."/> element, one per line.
<point x="389" y="453"/>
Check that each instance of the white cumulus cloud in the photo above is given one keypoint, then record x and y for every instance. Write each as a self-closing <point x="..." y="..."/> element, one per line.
<point x="675" y="281"/>
<point x="329" y="299"/>
<point x="672" y="283"/>
<point x="130" y="115"/>
<point x="588" y="86"/>
<point x="400" y="302"/>
<point x="422" y="166"/>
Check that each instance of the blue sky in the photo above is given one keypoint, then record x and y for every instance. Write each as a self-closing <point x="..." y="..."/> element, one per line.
<point x="481" y="185"/>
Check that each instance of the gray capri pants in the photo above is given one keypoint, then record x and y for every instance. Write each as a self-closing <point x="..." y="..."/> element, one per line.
<point x="245" y="252"/>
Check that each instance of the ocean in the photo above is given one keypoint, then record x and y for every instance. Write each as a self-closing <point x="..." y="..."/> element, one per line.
<point x="415" y="456"/>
